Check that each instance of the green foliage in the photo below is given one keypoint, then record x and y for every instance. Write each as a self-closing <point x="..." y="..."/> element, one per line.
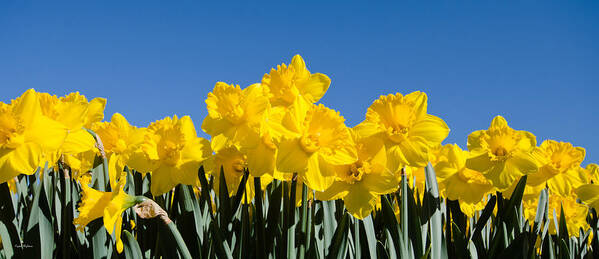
<point x="36" y="222"/>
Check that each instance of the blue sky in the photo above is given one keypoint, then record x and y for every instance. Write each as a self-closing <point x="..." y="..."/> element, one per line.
<point x="537" y="64"/>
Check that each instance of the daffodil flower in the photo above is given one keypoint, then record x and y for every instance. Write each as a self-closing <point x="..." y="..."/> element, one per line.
<point x="27" y="137"/>
<point x="589" y="194"/>
<point x="560" y="167"/>
<point x="121" y="143"/>
<point x="285" y="84"/>
<point x="406" y="128"/>
<point x="76" y="114"/>
<point x="235" y="115"/>
<point x="359" y="184"/>
<point x="172" y="152"/>
<point x="106" y="205"/>
<point x="315" y="139"/>
<point x="574" y="212"/>
<point x="461" y="183"/>
<point x="501" y="153"/>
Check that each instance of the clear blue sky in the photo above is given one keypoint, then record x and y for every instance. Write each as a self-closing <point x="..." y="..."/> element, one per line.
<point x="537" y="64"/>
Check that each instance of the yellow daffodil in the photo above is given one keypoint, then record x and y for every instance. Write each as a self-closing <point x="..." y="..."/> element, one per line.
<point x="121" y="142"/>
<point x="107" y="205"/>
<point x="360" y="184"/>
<point x="172" y="152"/>
<point x="27" y="137"/>
<point x="261" y="158"/>
<point x="560" y="168"/>
<point x="589" y="194"/>
<point x="315" y="139"/>
<point x="467" y="186"/>
<point x="284" y="85"/>
<point x="75" y="113"/>
<point x="233" y="164"/>
<point x="575" y="213"/>
<point x="501" y="153"/>
<point x="235" y="115"/>
<point x="403" y="123"/>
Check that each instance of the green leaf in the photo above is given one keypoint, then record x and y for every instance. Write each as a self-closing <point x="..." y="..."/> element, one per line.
<point x="240" y="191"/>
<point x="563" y="227"/>
<point x="8" y="231"/>
<point x="184" y="252"/>
<point x="404" y="206"/>
<point x="205" y="190"/>
<point x="370" y="235"/>
<point x="391" y="250"/>
<point x="305" y="241"/>
<point x="436" y="219"/>
<point x="222" y="246"/>
<point x="259" y="220"/>
<point x="515" y="200"/>
<point x="45" y="226"/>
<point x="391" y="224"/>
<point x="273" y="228"/>
<point x="485" y="215"/>
<point x="329" y="222"/>
<point x="415" y="227"/>
<point x="130" y="246"/>
<point x="460" y="242"/>
<point x="541" y="208"/>
<point x="338" y="247"/>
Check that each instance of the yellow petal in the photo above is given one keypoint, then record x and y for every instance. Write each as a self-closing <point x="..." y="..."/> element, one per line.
<point x="499" y="122"/>
<point x="23" y="160"/>
<point x="140" y="162"/>
<point x="261" y="160"/>
<point x="27" y="106"/>
<point x="560" y="184"/>
<point x="318" y="176"/>
<point x="291" y="157"/>
<point x="47" y="133"/>
<point x="95" y="111"/>
<point x="338" y="190"/>
<point x="589" y="194"/>
<point x="432" y="128"/>
<point x="72" y="114"/>
<point x="93" y="203"/>
<point x="78" y="141"/>
<point x="197" y="149"/>
<point x="188" y="173"/>
<point x="315" y="87"/>
<point x="359" y="202"/>
<point x="479" y="162"/>
<point x="367" y="129"/>
<point x="381" y="183"/>
<point x="412" y="152"/>
<point x="474" y="140"/>
<point x="524" y="163"/>
<point x="163" y="180"/>
<point x="187" y="128"/>
<point x="342" y="155"/>
<point x="419" y="100"/>
<point x="214" y="126"/>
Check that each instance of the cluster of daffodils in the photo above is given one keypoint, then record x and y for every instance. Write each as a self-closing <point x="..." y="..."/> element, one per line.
<point x="276" y="129"/>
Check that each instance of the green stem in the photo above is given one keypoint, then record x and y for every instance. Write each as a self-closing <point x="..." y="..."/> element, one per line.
<point x="182" y="247"/>
<point x="303" y="223"/>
